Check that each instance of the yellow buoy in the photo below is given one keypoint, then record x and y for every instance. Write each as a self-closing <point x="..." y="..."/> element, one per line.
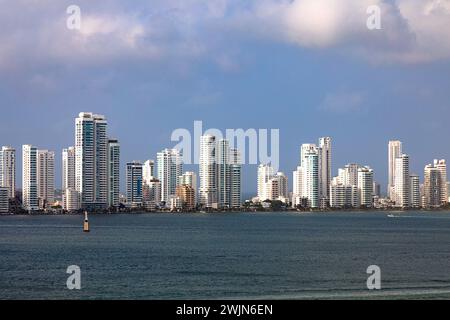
<point x="86" y="222"/>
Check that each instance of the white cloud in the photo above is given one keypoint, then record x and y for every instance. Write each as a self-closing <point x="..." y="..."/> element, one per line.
<point x="429" y="21"/>
<point x="413" y="31"/>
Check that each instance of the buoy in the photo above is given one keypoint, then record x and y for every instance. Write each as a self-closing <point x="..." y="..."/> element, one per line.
<point x="86" y="222"/>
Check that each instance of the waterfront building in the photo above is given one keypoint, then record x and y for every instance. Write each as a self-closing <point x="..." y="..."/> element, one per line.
<point x="415" y="191"/>
<point x="189" y="178"/>
<point x="71" y="200"/>
<point x="4" y="200"/>
<point x="148" y="171"/>
<point x="402" y="183"/>
<point x="394" y="152"/>
<point x="324" y="168"/>
<point x="187" y="196"/>
<point x="8" y="170"/>
<point x="170" y="168"/>
<point x="343" y="195"/>
<point x="435" y="184"/>
<point x="91" y="160"/>
<point x="365" y="187"/>
<point x="46" y="178"/>
<point x="68" y="168"/>
<point x="208" y="172"/>
<point x="134" y="184"/>
<point x="113" y="173"/>
<point x="30" y="201"/>
<point x="310" y="179"/>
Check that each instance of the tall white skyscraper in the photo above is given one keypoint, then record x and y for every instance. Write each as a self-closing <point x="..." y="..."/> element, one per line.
<point x="236" y="177"/>
<point x="220" y="174"/>
<point x="148" y="171"/>
<point x="8" y="170"/>
<point x="68" y="168"/>
<point x="365" y="186"/>
<point x="415" y="191"/>
<point x="324" y="167"/>
<point x="30" y="200"/>
<point x="394" y="152"/>
<point x="170" y="168"/>
<point x="402" y="183"/>
<point x="46" y="178"/>
<point x="208" y="171"/>
<point x="113" y="172"/>
<point x="223" y="154"/>
<point x="310" y="170"/>
<point x="91" y="168"/>
<point x="134" y="183"/>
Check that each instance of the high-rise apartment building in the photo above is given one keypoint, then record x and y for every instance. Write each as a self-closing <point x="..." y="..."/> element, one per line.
<point x="45" y="178"/>
<point x="151" y="192"/>
<point x="402" y="183"/>
<point x="442" y="168"/>
<point x="297" y="181"/>
<point x="208" y="171"/>
<point x="4" y="200"/>
<point x="394" y="152"/>
<point x="113" y="173"/>
<point x="223" y="171"/>
<point x="187" y="196"/>
<point x="349" y="174"/>
<point x="91" y="160"/>
<point x="365" y="186"/>
<point x="134" y="184"/>
<point x="68" y="168"/>
<point x="435" y="184"/>
<point x="148" y="171"/>
<point x="30" y="201"/>
<point x="235" y="179"/>
<point x="343" y="195"/>
<point x="415" y="191"/>
<point x="220" y="174"/>
<point x="8" y="170"/>
<point x="170" y="168"/>
<point x="71" y="200"/>
<point x="310" y="179"/>
<point x="265" y="174"/>
<point x="324" y="168"/>
<point x="189" y="178"/>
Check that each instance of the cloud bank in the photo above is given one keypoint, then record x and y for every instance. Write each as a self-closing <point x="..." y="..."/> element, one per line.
<point x="34" y="32"/>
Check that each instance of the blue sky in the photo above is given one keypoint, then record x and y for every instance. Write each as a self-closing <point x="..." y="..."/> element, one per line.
<point x="309" y="68"/>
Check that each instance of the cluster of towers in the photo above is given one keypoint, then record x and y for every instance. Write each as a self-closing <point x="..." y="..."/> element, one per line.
<point x="91" y="177"/>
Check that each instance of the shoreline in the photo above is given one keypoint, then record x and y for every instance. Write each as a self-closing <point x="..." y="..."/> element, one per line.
<point x="142" y="212"/>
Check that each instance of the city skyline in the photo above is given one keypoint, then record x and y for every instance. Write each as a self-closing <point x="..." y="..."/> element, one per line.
<point x="58" y="165"/>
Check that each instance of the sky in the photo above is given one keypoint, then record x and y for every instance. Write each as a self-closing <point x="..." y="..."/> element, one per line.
<point x="309" y="68"/>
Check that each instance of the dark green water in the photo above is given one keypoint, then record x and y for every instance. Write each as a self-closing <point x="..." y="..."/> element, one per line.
<point x="282" y="256"/>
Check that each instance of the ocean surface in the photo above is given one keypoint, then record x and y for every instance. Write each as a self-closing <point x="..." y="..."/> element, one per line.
<point x="227" y="256"/>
